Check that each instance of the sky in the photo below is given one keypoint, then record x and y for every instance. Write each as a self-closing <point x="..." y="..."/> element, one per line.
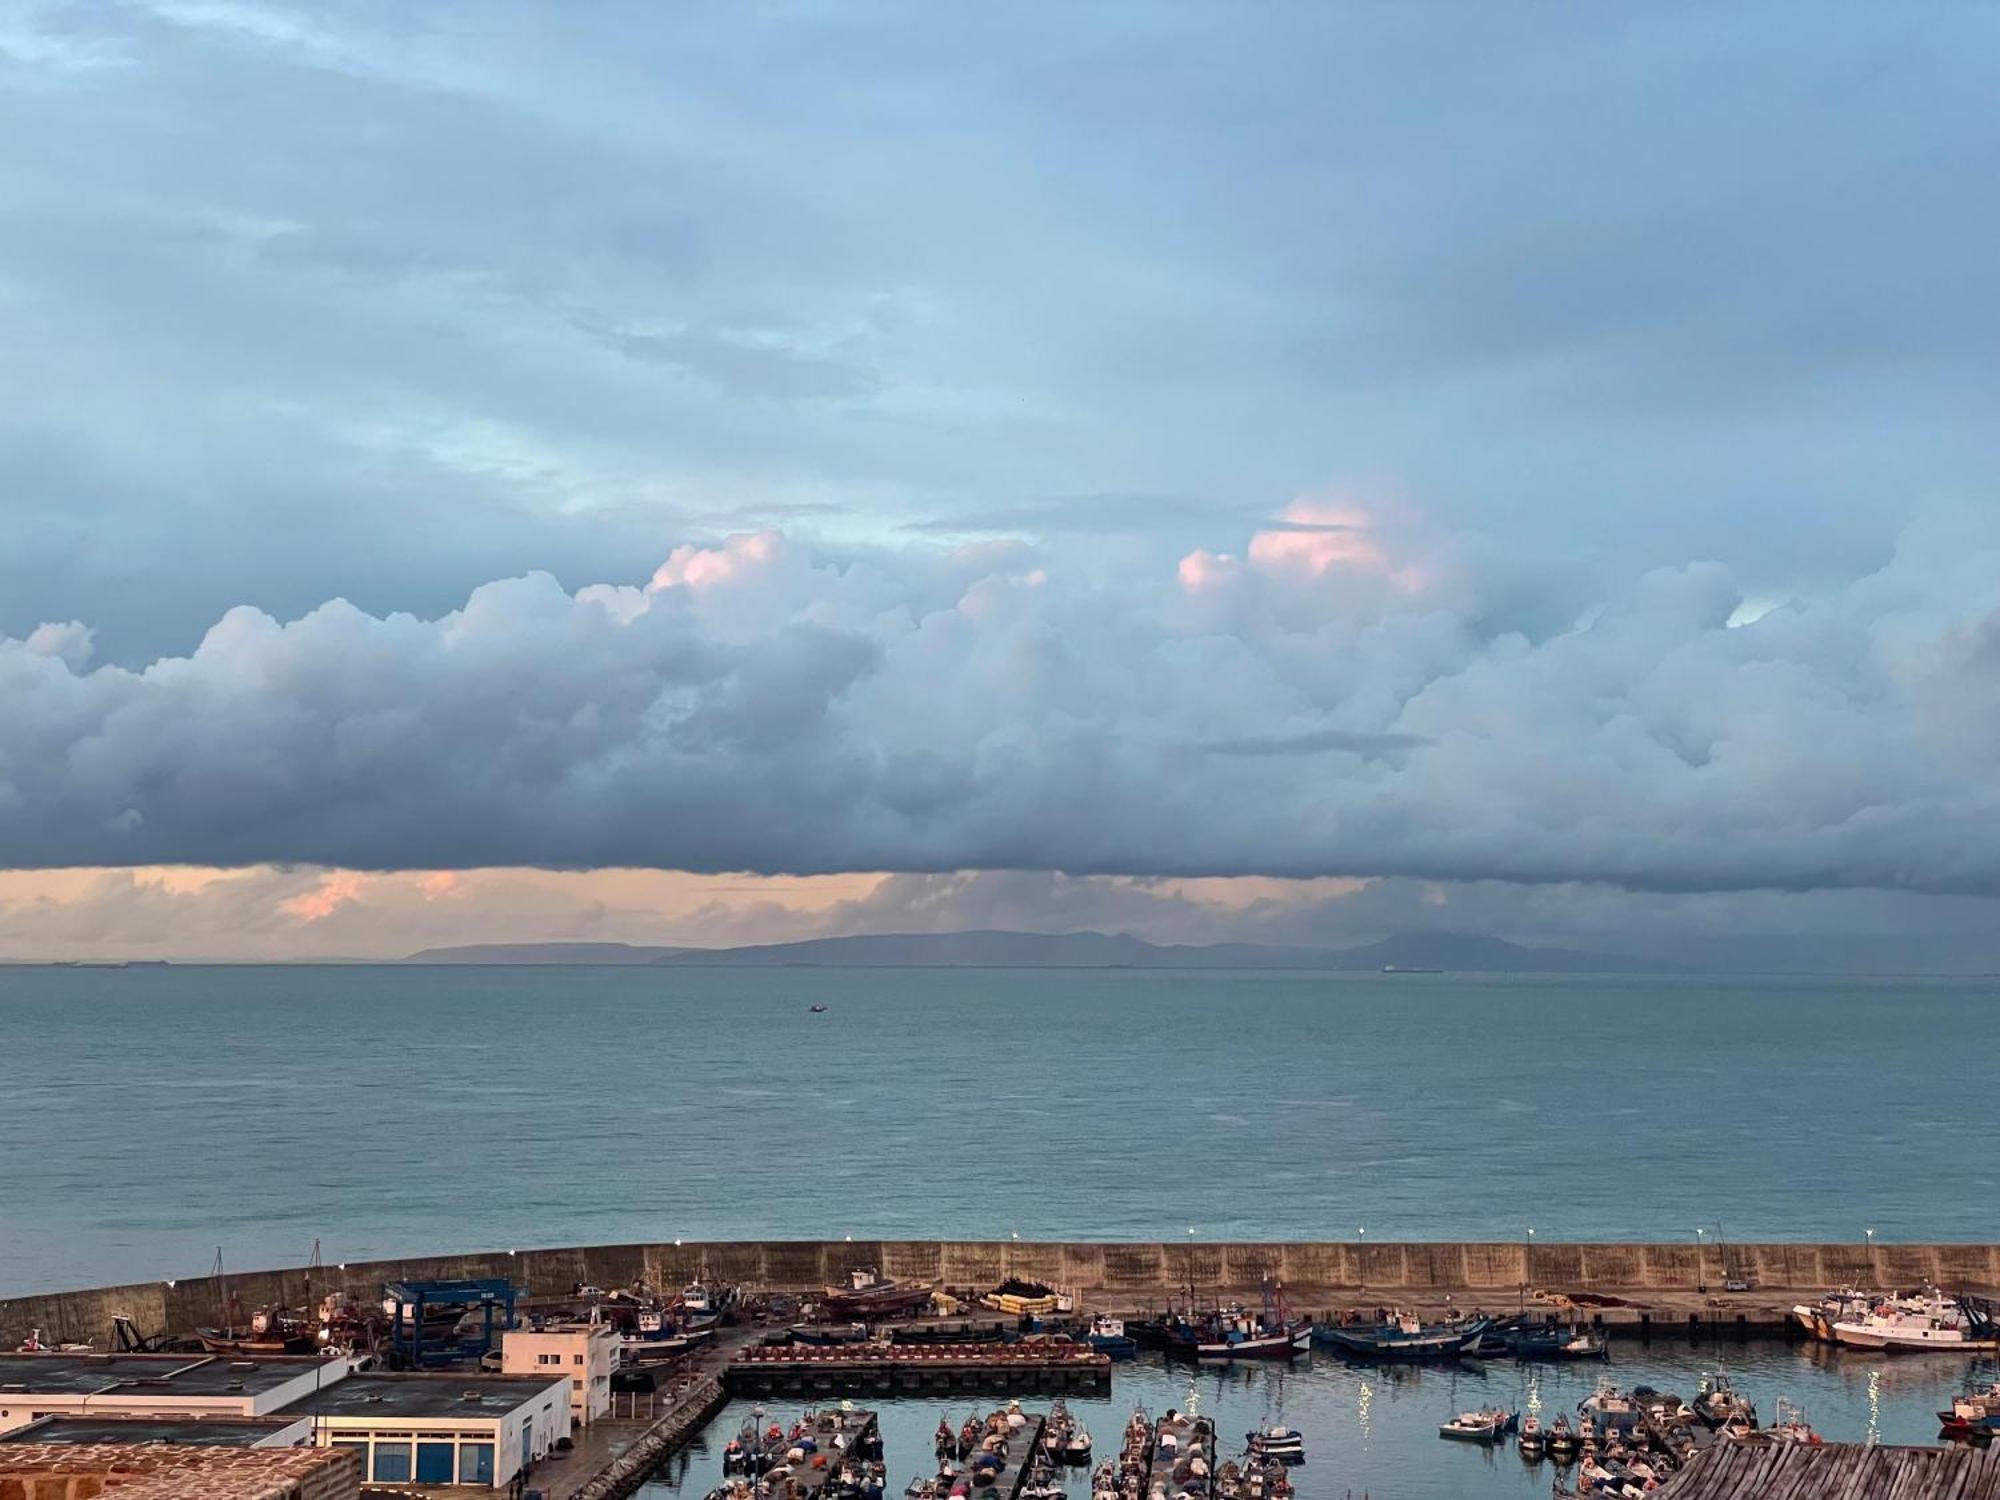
<point x="710" y="474"/>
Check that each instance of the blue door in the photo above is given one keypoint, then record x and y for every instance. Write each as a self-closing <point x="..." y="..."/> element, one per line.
<point x="435" y="1463"/>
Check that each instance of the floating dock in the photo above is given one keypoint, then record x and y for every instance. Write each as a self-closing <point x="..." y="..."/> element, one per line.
<point x="918" y="1368"/>
<point x="1016" y="1443"/>
<point x="1178" y="1441"/>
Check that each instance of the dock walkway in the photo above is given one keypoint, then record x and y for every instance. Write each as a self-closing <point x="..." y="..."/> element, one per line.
<point x="916" y="1368"/>
<point x="1015" y="1437"/>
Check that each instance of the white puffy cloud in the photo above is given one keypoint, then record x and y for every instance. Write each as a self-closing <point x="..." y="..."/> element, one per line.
<point x="1359" y="707"/>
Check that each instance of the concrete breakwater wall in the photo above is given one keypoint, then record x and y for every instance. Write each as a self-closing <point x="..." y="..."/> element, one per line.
<point x="1121" y="1273"/>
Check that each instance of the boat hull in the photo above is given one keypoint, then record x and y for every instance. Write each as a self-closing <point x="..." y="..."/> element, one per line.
<point x="1910" y="1341"/>
<point x="1285" y="1344"/>
<point x="221" y="1341"/>
<point x="1377" y="1344"/>
<point x="878" y="1303"/>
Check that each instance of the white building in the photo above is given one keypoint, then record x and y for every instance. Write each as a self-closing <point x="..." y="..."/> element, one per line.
<point x="472" y="1429"/>
<point x="156" y="1385"/>
<point x="585" y="1352"/>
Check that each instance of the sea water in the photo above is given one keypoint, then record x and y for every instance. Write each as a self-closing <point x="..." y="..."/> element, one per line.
<point x="150" y="1115"/>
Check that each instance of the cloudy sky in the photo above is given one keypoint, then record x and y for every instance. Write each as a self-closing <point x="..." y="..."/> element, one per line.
<point x="705" y="474"/>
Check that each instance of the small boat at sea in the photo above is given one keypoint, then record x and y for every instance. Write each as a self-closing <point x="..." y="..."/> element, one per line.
<point x="1108" y="1336"/>
<point x="1285" y="1445"/>
<point x="1403" y="1338"/>
<point x="870" y="1295"/>
<point x="1491" y="1426"/>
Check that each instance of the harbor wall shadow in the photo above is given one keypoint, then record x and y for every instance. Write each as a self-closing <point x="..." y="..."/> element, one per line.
<point x="1313" y="1272"/>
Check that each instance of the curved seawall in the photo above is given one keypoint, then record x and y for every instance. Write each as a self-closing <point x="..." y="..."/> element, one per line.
<point x="1121" y="1273"/>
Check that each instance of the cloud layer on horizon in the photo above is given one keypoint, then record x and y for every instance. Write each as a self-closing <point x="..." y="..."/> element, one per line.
<point x="1342" y="695"/>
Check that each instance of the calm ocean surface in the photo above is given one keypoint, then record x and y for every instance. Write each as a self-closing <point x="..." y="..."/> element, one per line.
<point x="1373" y="1432"/>
<point x="149" y="1115"/>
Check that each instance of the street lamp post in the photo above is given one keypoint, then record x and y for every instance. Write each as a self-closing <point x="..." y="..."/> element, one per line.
<point x="1700" y="1271"/>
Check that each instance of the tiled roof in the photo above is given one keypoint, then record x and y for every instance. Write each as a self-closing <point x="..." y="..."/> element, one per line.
<point x="79" y="1471"/>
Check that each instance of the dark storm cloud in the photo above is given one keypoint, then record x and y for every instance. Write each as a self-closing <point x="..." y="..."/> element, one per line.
<point x="377" y="303"/>
<point x="763" y="707"/>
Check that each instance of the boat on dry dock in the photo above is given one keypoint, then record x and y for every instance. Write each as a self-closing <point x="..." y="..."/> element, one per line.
<point x="870" y="1295"/>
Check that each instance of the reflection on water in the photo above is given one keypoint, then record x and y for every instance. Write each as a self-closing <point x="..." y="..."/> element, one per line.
<point x="1372" y="1431"/>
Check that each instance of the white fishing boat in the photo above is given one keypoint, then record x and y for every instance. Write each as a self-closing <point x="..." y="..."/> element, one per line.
<point x="1929" y="1321"/>
<point x="1286" y="1444"/>
<point x="1479" y="1426"/>
<point x="1818" y="1317"/>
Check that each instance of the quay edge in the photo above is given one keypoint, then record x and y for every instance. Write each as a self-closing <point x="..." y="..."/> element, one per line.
<point x="1659" y="1280"/>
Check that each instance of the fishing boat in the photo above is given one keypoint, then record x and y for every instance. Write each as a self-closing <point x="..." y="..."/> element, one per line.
<point x="1491" y="1426"/>
<point x="1559" y="1344"/>
<point x="1973" y="1413"/>
<point x="1533" y="1439"/>
<point x="1403" y="1338"/>
<point x="1286" y="1445"/>
<point x="1611" y="1410"/>
<point x="1791" y="1426"/>
<point x="1716" y="1403"/>
<point x="870" y="1295"/>
<point x="1929" y="1320"/>
<point x="1065" y="1440"/>
<point x="1108" y="1336"/>
<point x="1238" y="1333"/>
<point x="1561" y="1439"/>
<point x="1844" y="1306"/>
<point x="702" y="1298"/>
<point x="756" y="1448"/>
<point x="269" y="1330"/>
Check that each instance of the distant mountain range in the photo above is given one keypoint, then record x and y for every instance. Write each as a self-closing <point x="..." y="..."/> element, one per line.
<point x="1452" y="952"/>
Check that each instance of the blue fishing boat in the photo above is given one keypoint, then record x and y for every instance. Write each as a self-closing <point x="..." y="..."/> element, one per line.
<point x="1402" y="1338"/>
<point x="1560" y="1344"/>
<point x="1108" y="1336"/>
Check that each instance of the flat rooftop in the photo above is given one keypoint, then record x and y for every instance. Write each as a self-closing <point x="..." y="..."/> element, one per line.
<point x="151" y="1374"/>
<point x="210" y="1432"/>
<point x="379" y="1395"/>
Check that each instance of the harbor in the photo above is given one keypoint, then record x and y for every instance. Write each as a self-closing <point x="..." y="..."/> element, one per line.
<point x="1578" y="1389"/>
